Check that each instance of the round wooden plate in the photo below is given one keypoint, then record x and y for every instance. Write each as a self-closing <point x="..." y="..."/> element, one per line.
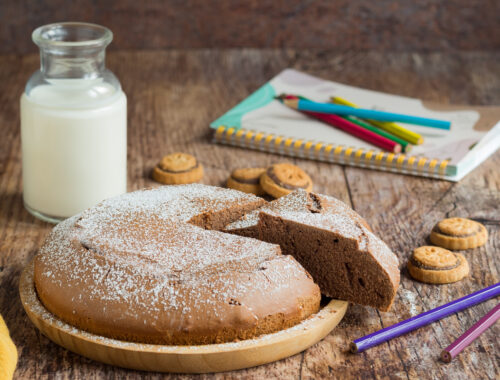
<point x="185" y="359"/>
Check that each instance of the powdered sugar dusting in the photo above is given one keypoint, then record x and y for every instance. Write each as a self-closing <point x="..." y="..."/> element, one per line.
<point x="135" y="261"/>
<point x="33" y="303"/>
<point x="180" y="202"/>
<point x="298" y="202"/>
<point x="333" y="215"/>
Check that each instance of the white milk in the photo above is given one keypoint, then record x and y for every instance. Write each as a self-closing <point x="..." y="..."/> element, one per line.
<point x="74" y="146"/>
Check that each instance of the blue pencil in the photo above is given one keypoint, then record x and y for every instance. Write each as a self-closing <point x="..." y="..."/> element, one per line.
<point x="306" y="105"/>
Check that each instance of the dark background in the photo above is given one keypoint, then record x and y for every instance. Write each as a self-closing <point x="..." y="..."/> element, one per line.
<point x="406" y="25"/>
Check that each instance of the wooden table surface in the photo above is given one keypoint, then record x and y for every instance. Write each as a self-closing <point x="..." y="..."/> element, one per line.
<point x="172" y="98"/>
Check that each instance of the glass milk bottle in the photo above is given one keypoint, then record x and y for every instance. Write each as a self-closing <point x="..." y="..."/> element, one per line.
<point x="73" y="124"/>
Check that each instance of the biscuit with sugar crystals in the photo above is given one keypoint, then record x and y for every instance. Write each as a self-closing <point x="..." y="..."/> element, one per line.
<point x="459" y="233"/>
<point x="178" y="168"/>
<point x="281" y="179"/>
<point x="436" y="265"/>
<point x="246" y="180"/>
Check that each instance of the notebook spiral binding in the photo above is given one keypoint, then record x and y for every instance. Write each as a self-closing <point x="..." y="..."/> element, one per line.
<point x="338" y="154"/>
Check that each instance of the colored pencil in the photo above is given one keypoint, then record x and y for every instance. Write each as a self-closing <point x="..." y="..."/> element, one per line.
<point x="357" y="131"/>
<point x="405" y="145"/>
<point x="337" y="109"/>
<point x="471" y="334"/>
<point x="351" y="128"/>
<point x="395" y="129"/>
<point x="388" y="333"/>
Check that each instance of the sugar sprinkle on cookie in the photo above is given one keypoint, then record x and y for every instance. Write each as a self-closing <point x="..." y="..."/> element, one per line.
<point x="178" y="168"/>
<point x="281" y="179"/>
<point x="436" y="265"/>
<point x="246" y="180"/>
<point x="459" y="233"/>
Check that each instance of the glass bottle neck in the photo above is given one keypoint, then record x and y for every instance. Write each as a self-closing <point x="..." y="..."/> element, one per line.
<point x="74" y="63"/>
<point x="72" y="50"/>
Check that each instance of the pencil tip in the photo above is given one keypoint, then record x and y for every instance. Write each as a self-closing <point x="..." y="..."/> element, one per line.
<point x="353" y="348"/>
<point x="445" y="356"/>
<point x="293" y="103"/>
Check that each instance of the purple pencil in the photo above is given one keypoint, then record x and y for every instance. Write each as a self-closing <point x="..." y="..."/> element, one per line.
<point x="423" y="319"/>
<point x="471" y="334"/>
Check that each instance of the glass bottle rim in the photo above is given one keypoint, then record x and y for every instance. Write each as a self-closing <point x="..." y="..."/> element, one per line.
<point x="72" y="35"/>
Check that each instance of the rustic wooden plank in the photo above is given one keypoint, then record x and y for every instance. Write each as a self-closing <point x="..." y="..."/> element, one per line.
<point x="407" y="218"/>
<point x="394" y="208"/>
<point x="342" y="24"/>
<point x="409" y="212"/>
<point x="172" y="97"/>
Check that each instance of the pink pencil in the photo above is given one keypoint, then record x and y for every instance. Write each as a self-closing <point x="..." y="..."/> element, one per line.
<point x="351" y="128"/>
<point x="357" y="131"/>
<point x="468" y="337"/>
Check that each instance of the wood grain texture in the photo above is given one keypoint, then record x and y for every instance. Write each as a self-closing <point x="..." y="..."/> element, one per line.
<point x="172" y="98"/>
<point x="405" y="25"/>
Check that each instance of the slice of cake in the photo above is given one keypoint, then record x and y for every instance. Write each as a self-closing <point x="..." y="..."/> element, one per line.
<point x="332" y="242"/>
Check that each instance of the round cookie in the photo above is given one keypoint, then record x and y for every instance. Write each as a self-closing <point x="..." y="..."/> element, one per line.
<point x="459" y="233"/>
<point x="178" y="168"/>
<point x="246" y="180"/>
<point x="281" y="179"/>
<point x="436" y="265"/>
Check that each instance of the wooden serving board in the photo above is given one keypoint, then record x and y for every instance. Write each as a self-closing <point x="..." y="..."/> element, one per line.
<point x="185" y="359"/>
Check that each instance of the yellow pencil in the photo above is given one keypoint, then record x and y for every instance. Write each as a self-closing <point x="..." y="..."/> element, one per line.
<point x="395" y="129"/>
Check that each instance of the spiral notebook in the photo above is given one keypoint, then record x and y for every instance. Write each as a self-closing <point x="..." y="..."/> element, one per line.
<point x="262" y="122"/>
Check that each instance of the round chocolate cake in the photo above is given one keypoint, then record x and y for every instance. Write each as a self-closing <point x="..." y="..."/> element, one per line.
<point x="150" y="266"/>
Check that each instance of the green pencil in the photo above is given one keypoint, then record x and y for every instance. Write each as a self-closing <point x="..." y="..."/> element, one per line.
<point x="395" y="129"/>
<point x="404" y="144"/>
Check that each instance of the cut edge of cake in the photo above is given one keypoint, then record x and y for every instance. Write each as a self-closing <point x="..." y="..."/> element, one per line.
<point x="333" y="243"/>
